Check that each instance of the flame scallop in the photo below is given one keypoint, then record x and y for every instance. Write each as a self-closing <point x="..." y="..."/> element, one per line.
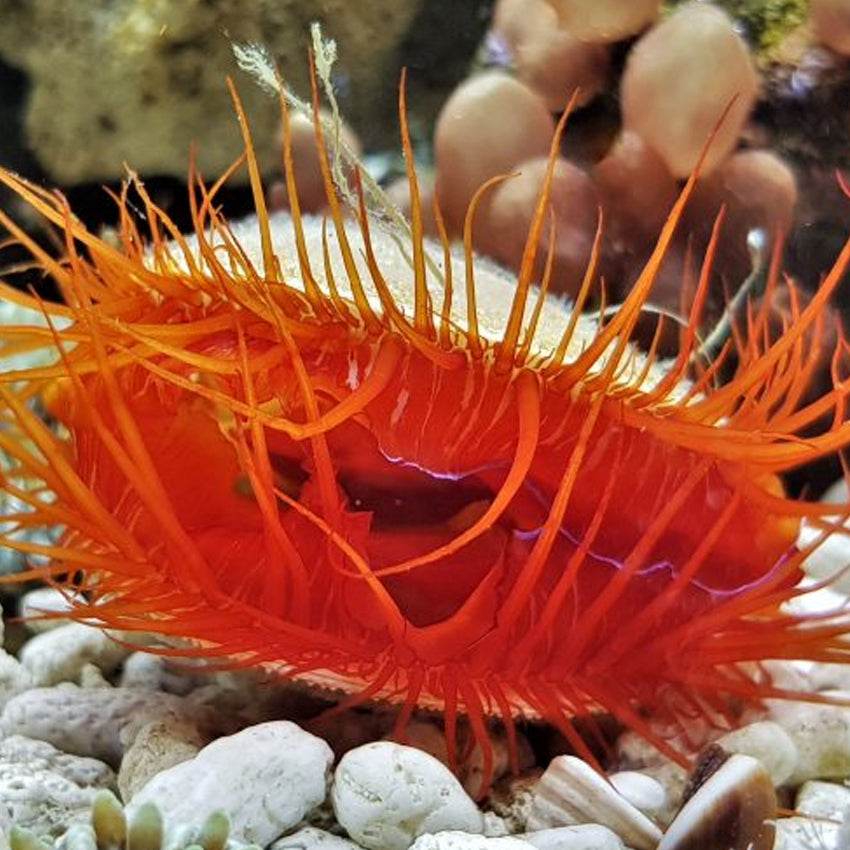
<point x="340" y="451"/>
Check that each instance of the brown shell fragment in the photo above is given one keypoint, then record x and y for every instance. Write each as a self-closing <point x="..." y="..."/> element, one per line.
<point x="733" y="808"/>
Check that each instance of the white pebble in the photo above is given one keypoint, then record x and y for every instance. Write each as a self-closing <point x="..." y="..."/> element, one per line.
<point x="41" y="800"/>
<point x="791" y="675"/>
<point x="590" y="836"/>
<point x="85" y="772"/>
<point x="643" y="792"/>
<point x="769" y="743"/>
<point x="829" y="677"/>
<point x="142" y="670"/>
<point x="807" y="834"/>
<point x="45" y="790"/>
<point x="823" y="800"/>
<point x="386" y="795"/>
<point x="311" y="838"/>
<point x="60" y="654"/>
<point x="495" y="826"/>
<point x="821" y="734"/>
<point x="156" y="673"/>
<point x="92" y="676"/>
<point x="87" y="722"/>
<point x="457" y="840"/>
<point x="45" y="600"/>
<point x="266" y="777"/>
<point x="14" y="679"/>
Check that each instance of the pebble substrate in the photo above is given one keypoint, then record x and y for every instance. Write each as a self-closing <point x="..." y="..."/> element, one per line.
<point x="84" y="714"/>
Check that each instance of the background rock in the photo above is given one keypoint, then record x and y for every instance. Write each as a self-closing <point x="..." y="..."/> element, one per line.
<point x="134" y="81"/>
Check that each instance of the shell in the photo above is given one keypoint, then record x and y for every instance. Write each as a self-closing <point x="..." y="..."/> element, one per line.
<point x="572" y="792"/>
<point x="734" y="808"/>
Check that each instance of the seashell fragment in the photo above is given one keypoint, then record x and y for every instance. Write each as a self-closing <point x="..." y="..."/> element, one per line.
<point x="572" y="792"/>
<point x="734" y="808"/>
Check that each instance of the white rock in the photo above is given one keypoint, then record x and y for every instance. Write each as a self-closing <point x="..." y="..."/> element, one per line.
<point x="386" y="795"/>
<point x="791" y="675"/>
<point x="495" y="826"/>
<point x="821" y="734"/>
<point x="800" y="833"/>
<point x="14" y="679"/>
<point x="156" y="673"/>
<point x="45" y="600"/>
<point x="769" y="743"/>
<point x="91" y="676"/>
<point x="41" y="800"/>
<point x="59" y="655"/>
<point x="45" y="790"/>
<point x="589" y="836"/>
<point x="311" y="838"/>
<point x="82" y="771"/>
<point x="266" y="777"/>
<point x="142" y="670"/>
<point x="457" y="840"/>
<point x="636" y="752"/>
<point x="644" y="792"/>
<point x="829" y="677"/>
<point x="87" y="722"/>
<point x="823" y="800"/>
